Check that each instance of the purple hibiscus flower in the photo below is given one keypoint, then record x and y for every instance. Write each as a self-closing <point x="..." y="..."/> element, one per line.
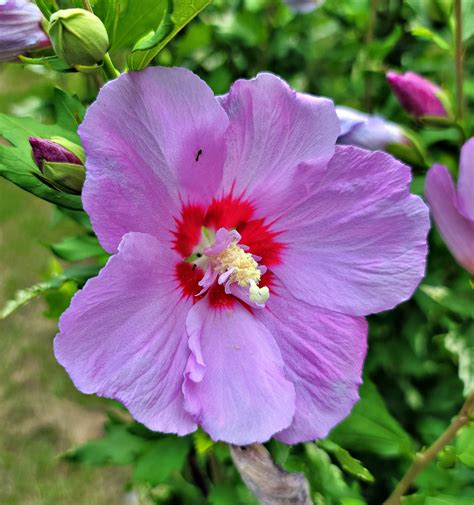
<point x="453" y="210"/>
<point x="418" y="96"/>
<point x="367" y="131"/>
<point x="304" y="5"/>
<point x="246" y="250"/>
<point x="20" y="28"/>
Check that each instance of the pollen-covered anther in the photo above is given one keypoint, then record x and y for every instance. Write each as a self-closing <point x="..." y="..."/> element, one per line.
<point x="244" y="268"/>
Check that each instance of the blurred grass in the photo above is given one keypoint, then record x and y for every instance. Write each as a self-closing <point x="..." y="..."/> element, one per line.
<point x="41" y="414"/>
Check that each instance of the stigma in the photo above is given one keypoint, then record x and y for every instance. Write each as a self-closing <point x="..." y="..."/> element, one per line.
<point x="232" y="265"/>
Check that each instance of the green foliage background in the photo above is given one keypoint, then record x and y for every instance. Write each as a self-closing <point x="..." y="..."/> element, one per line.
<point x="420" y="362"/>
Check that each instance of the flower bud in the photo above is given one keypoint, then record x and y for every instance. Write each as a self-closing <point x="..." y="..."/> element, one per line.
<point x="57" y="150"/>
<point x="369" y="132"/>
<point x="418" y="96"/>
<point x="447" y="457"/>
<point x="61" y="163"/>
<point x="78" y="37"/>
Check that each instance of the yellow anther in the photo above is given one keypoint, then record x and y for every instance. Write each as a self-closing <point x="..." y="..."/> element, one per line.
<point x="245" y="268"/>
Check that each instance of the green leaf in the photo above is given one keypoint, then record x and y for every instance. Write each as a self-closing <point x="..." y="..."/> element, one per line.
<point x="279" y="451"/>
<point x="425" y="33"/>
<point x="202" y="441"/>
<point x="176" y="15"/>
<point x="326" y="478"/>
<point x="69" y="110"/>
<point x="461" y="302"/>
<point x="117" y="447"/>
<point x="78" y="274"/>
<point x="419" y="499"/>
<point x="16" y="162"/>
<point x="223" y="494"/>
<point x="78" y="248"/>
<point x="108" y="12"/>
<point x="135" y="20"/>
<point x="465" y="446"/>
<point x="46" y="7"/>
<point x="52" y="62"/>
<point x="348" y="463"/>
<point x="463" y="346"/>
<point x="162" y="458"/>
<point x="371" y="427"/>
<point x="468" y="19"/>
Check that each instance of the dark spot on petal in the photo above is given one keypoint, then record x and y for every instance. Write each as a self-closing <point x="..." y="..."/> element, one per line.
<point x="198" y="155"/>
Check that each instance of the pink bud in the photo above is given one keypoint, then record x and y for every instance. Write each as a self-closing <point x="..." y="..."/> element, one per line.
<point x="417" y="95"/>
<point x="49" y="151"/>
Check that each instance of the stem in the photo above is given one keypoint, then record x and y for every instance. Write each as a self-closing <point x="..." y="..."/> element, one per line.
<point x="422" y="459"/>
<point x="459" y="60"/>
<point x="87" y="5"/>
<point x="110" y="71"/>
<point x="369" y="38"/>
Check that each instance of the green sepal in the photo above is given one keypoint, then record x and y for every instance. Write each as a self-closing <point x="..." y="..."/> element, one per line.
<point x="67" y="177"/>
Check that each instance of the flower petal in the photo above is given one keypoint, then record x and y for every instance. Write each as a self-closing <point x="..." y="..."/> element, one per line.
<point x="235" y="384"/>
<point x="357" y="244"/>
<point x="457" y="231"/>
<point x="323" y="352"/>
<point x="466" y="180"/>
<point x="151" y="138"/>
<point x="124" y="335"/>
<point x="274" y="135"/>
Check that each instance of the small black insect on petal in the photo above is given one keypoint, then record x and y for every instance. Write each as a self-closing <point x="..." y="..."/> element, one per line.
<point x="198" y="155"/>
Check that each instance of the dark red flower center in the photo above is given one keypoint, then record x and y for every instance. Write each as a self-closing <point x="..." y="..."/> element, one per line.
<point x="229" y="212"/>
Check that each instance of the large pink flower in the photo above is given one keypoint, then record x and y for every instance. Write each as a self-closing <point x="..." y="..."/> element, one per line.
<point x="247" y="249"/>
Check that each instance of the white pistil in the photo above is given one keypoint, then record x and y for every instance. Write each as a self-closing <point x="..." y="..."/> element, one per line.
<point x="258" y="295"/>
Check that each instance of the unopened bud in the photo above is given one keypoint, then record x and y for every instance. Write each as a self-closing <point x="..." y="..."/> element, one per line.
<point x="56" y="149"/>
<point x="418" y="96"/>
<point x="78" y="37"/>
<point x="61" y="163"/>
<point x="447" y="457"/>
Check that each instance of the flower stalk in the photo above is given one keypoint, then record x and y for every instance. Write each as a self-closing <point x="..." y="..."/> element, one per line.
<point x="422" y="459"/>
<point x="459" y="63"/>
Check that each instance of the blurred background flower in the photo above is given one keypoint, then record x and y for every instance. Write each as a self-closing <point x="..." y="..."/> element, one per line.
<point x="368" y="131"/>
<point x="418" y="96"/>
<point x="453" y="209"/>
<point x="304" y="5"/>
<point x="20" y="28"/>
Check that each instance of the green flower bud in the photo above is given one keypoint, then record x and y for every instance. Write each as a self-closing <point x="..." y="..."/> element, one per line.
<point x="66" y="177"/>
<point x="78" y="37"/>
<point x="447" y="457"/>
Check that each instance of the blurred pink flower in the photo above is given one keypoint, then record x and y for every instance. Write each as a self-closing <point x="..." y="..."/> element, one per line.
<point x="453" y="210"/>
<point x="304" y="5"/>
<point x="418" y="96"/>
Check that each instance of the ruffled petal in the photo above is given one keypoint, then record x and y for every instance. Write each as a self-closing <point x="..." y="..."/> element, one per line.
<point x="152" y="139"/>
<point x="466" y="180"/>
<point x="357" y="244"/>
<point x="323" y="352"/>
<point x="124" y="335"/>
<point x="457" y="231"/>
<point x="235" y="384"/>
<point x="276" y="139"/>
